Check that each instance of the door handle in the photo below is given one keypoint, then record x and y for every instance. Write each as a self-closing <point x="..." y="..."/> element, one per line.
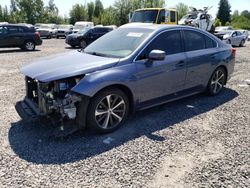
<point x="180" y="64"/>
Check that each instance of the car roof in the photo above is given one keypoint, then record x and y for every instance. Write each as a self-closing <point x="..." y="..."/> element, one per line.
<point x="155" y="26"/>
<point x="18" y="25"/>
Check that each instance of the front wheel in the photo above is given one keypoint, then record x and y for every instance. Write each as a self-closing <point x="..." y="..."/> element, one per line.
<point x="108" y="110"/>
<point x="217" y="81"/>
<point x="83" y="44"/>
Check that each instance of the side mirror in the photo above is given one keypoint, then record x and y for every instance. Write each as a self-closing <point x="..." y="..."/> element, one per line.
<point x="156" y="55"/>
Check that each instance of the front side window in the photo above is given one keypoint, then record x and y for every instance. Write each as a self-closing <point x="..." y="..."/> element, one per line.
<point x="118" y="43"/>
<point x="161" y="17"/>
<point x="13" y="30"/>
<point x="3" y="30"/>
<point x="170" y="42"/>
<point x="194" y="41"/>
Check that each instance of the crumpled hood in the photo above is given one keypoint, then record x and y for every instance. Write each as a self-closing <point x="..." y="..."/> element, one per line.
<point x="66" y="65"/>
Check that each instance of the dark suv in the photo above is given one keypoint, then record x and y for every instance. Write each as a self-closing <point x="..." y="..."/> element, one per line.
<point x="84" y="37"/>
<point x="24" y="37"/>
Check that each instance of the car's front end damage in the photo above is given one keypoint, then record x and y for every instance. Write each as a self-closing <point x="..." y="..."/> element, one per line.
<point x="52" y="101"/>
<point x="54" y="88"/>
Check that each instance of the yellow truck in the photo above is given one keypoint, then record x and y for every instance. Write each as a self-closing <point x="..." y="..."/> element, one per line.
<point x="154" y="15"/>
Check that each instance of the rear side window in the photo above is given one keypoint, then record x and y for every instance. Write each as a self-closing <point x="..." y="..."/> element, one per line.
<point x="210" y="43"/>
<point x="194" y="41"/>
<point x="169" y="41"/>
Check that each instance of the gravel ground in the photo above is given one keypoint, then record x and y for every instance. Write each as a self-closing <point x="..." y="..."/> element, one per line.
<point x="199" y="141"/>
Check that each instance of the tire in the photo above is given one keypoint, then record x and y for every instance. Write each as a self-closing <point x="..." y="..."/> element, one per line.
<point x="104" y="116"/>
<point x="29" y="46"/>
<point x="57" y="37"/>
<point x="217" y="81"/>
<point x="83" y="44"/>
<point x="242" y="43"/>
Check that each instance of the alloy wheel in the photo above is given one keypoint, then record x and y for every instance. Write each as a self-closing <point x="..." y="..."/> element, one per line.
<point x="29" y="46"/>
<point x="110" y="111"/>
<point x="218" y="80"/>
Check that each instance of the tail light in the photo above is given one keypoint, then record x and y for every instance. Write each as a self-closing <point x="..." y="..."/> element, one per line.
<point x="37" y="34"/>
<point x="233" y="50"/>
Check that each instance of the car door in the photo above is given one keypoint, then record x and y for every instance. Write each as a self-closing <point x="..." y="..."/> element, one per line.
<point x="201" y="56"/>
<point x="15" y="37"/>
<point x="234" y="38"/>
<point x="93" y="35"/>
<point x="161" y="78"/>
<point x="3" y="36"/>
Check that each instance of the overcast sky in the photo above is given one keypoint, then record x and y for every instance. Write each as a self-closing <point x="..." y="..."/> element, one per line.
<point x="65" y="5"/>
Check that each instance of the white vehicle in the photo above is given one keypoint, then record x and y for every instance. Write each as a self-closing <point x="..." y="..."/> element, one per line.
<point x="47" y="30"/>
<point x="222" y="30"/>
<point x="82" y="25"/>
<point x="3" y="23"/>
<point x="199" y="18"/>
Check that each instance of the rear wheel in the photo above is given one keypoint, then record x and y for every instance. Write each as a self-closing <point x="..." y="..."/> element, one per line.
<point x="217" y="81"/>
<point x="108" y="110"/>
<point x="29" y="46"/>
<point x="242" y="43"/>
<point x="83" y="44"/>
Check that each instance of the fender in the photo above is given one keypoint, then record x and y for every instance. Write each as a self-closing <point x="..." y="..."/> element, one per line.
<point x="91" y="83"/>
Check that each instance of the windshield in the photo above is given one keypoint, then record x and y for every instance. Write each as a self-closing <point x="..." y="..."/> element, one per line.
<point x="79" y="26"/>
<point x="64" y="27"/>
<point x="83" y="31"/>
<point x="190" y="16"/>
<point x="145" y="16"/>
<point x="118" y="43"/>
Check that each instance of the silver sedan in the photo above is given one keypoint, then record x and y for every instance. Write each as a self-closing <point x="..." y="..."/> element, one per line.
<point x="235" y="38"/>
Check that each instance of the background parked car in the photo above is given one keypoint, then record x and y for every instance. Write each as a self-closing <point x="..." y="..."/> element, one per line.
<point x="24" y="37"/>
<point x="82" y="25"/>
<point x="222" y="30"/>
<point x="246" y="33"/>
<point x="63" y="30"/>
<point x="235" y="38"/>
<point x="2" y="23"/>
<point x="47" y="30"/>
<point x="84" y="37"/>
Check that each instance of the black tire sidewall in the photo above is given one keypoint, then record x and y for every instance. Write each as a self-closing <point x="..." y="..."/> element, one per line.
<point x="91" y="122"/>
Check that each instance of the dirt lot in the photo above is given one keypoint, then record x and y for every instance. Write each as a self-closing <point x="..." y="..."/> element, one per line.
<point x="195" y="142"/>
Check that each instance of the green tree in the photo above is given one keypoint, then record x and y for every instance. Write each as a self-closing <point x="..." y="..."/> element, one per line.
<point x="77" y="13"/>
<point x="1" y="14"/>
<point x="6" y="14"/>
<point x="153" y="3"/>
<point x="107" y="17"/>
<point x="182" y="9"/>
<point x="91" y="8"/>
<point x="31" y="11"/>
<point x="98" y="8"/>
<point x="217" y="23"/>
<point x="246" y="14"/>
<point x="224" y="12"/>
<point x="51" y="13"/>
